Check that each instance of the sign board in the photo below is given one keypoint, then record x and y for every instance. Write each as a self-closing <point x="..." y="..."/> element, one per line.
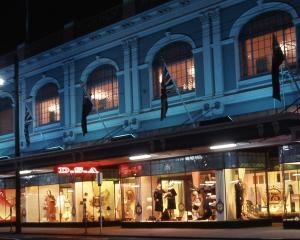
<point x="77" y="170"/>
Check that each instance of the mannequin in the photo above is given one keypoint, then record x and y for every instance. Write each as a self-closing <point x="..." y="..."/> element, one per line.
<point x="195" y="205"/>
<point x="60" y="204"/>
<point x="50" y="207"/>
<point x="129" y="204"/>
<point x="171" y="193"/>
<point x="239" y="198"/>
<point x="158" y="199"/>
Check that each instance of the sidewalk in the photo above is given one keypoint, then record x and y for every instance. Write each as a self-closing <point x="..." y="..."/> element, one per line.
<point x="274" y="232"/>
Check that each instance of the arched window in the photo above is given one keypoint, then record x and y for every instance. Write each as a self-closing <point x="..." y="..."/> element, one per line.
<point x="6" y="116"/>
<point x="256" y="42"/>
<point x="179" y="59"/>
<point x="102" y="84"/>
<point x="47" y="104"/>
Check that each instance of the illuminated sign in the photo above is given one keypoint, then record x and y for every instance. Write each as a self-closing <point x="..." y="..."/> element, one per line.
<point x="76" y="170"/>
<point x="130" y="170"/>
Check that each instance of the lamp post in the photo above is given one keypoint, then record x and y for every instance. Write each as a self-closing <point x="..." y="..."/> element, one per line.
<point x="17" y="144"/>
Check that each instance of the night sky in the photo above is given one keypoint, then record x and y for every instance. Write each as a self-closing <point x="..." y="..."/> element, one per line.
<point x="45" y="17"/>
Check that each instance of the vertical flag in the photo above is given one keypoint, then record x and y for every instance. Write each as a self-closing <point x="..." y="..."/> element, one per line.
<point x="87" y="107"/>
<point x="166" y="86"/>
<point x="277" y="59"/>
<point x="27" y="121"/>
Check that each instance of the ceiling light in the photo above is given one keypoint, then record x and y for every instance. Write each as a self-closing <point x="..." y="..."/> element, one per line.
<point x="293" y="163"/>
<point x="223" y="146"/>
<point x="23" y="172"/>
<point x="139" y="157"/>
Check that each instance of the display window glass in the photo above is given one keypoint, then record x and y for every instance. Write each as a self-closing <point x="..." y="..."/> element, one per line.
<point x="68" y="199"/>
<point x="137" y="198"/>
<point x="7" y="200"/>
<point x="292" y="191"/>
<point x="246" y="194"/>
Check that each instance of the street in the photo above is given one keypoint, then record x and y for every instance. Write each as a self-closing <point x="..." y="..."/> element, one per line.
<point x="28" y="236"/>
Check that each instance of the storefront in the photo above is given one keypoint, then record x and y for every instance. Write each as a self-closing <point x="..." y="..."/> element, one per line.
<point x="207" y="187"/>
<point x="237" y="186"/>
<point x="290" y="166"/>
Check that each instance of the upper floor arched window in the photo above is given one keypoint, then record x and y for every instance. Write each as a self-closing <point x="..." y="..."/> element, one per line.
<point x="6" y="116"/>
<point x="102" y="84"/>
<point x="47" y="104"/>
<point x="179" y="59"/>
<point x="256" y="42"/>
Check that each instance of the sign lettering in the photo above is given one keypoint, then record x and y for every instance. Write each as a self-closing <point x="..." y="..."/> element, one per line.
<point x="76" y="170"/>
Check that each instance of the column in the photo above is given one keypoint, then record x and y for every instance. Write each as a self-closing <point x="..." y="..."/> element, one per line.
<point x="72" y="91"/>
<point x="220" y="195"/>
<point x="22" y="106"/>
<point x="66" y="95"/>
<point x="127" y="78"/>
<point x="207" y="58"/>
<point x="136" y="99"/>
<point x="217" y="53"/>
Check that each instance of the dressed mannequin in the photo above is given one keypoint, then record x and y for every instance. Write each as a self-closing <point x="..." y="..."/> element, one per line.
<point x="170" y="194"/>
<point x="196" y="203"/>
<point x="60" y="203"/>
<point x="158" y="199"/>
<point x="239" y="198"/>
<point x="129" y="204"/>
<point x="50" y="207"/>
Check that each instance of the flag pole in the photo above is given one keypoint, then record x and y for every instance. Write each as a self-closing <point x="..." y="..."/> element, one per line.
<point x="180" y="96"/>
<point x="84" y="89"/>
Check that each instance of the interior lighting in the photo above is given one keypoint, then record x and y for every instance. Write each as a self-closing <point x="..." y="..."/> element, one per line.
<point x="23" y="172"/>
<point x="293" y="163"/>
<point x="139" y="157"/>
<point x="223" y="146"/>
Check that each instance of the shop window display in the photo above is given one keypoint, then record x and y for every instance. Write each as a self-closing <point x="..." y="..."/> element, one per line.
<point x="70" y="199"/>
<point x="275" y="189"/>
<point x="246" y="194"/>
<point x="291" y="192"/>
<point x="7" y="205"/>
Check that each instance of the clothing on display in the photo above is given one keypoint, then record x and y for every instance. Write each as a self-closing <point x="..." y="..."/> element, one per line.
<point x="239" y="198"/>
<point x="158" y="198"/>
<point x="171" y="193"/>
<point x="50" y="207"/>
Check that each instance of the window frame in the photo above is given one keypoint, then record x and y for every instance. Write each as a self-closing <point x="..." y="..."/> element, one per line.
<point x="49" y="124"/>
<point x="280" y="28"/>
<point x="152" y="66"/>
<point x="11" y="102"/>
<point x="115" y="108"/>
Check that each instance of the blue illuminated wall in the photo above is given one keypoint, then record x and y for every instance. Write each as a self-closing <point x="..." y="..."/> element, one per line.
<point x="130" y="46"/>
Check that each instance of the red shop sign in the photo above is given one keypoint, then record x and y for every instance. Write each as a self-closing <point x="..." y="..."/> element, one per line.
<point x="77" y="170"/>
<point x="130" y="170"/>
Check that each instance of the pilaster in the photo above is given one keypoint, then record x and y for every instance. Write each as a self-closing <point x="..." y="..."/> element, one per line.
<point x="207" y="58"/>
<point x="127" y="78"/>
<point x="217" y="53"/>
<point x="136" y="99"/>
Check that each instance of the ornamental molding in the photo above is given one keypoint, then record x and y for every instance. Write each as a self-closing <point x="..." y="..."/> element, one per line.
<point x="169" y="38"/>
<point x="96" y="63"/>
<point x="43" y="81"/>
<point x="257" y="10"/>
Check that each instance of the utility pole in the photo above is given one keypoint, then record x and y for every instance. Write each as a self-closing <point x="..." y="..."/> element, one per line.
<point x="17" y="143"/>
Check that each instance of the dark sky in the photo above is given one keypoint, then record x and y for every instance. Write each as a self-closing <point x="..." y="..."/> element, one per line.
<point x="45" y="16"/>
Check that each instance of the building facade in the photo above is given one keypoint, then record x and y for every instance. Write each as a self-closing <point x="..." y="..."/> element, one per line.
<point x="220" y="55"/>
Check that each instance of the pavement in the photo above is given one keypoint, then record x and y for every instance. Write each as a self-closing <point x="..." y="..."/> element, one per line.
<point x="272" y="232"/>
